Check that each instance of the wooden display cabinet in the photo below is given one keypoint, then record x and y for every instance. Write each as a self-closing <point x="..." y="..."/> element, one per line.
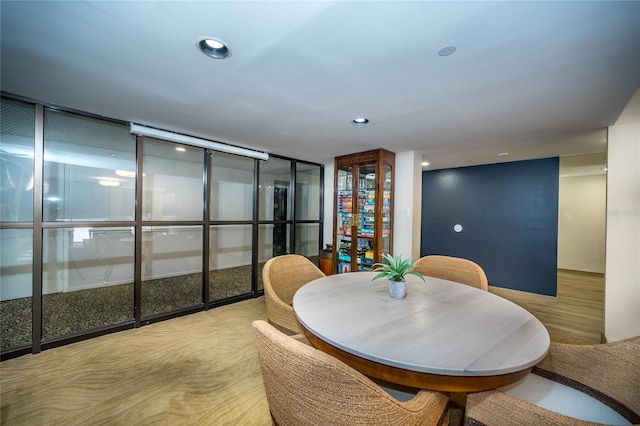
<point x="363" y="209"/>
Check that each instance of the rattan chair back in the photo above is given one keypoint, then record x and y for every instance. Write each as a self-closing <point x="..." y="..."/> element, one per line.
<point x="610" y="369"/>
<point x="608" y="372"/>
<point x="305" y="386"/>
<point x="455" y="269"/>
<point x="282" y="276"/>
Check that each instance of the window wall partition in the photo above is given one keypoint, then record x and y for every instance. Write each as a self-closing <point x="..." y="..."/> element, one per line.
<point x="231" y="213"/>
<point x="17" y="133"/>
<point x="172" y="231"/>
<point x="88" y="208"/>
<point x="274" y="211"/>
<point x="308" y="180"/>
<point x="102" y="230"/>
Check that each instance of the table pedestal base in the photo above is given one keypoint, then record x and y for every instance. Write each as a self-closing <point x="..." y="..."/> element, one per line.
<point x="457" y="407"/>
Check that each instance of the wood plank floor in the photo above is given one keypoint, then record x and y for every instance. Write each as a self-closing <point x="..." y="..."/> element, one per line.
<point x="576" y="315"/>
<point x="202" y="369"/>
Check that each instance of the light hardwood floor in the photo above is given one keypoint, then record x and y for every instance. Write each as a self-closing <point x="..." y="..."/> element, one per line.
<point x="576" y="315"/>
<point x="202" y="369"/>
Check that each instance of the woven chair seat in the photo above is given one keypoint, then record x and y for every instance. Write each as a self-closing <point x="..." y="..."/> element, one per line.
<point x="607" y="372"/>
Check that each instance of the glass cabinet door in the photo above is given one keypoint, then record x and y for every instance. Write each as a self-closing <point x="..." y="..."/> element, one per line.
<point x="366" y="216"/>
<point x="386" y="210"/>
<point x="344" y="218"/>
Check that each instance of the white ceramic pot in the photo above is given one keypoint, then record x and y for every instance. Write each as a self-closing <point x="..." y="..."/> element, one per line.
<point x="397" y="289"/>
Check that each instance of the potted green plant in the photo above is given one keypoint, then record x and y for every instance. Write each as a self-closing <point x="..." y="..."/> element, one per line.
<point x="394" y="269"/>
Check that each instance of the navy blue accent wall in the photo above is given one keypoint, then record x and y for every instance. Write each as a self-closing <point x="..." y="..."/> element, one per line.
<point x="509" y="218"/>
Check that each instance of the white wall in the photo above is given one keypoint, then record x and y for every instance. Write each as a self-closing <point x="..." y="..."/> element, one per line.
<point x="407" y="209"/>
<point x="581" y="222"/>
<point x="622" y="277"/>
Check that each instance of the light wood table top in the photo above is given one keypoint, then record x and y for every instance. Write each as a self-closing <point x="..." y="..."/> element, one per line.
<point x="444" y="331"/>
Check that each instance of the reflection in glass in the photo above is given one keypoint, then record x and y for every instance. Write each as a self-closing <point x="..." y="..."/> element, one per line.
<point x="307" y="191"/>
<point x="366" y="216"/>
<point x="89" y="169"/>
<point x="16" y="257"/>
<point x="386" y="210"/>
<point x="16" y="161"/>
<point x="87" y="278"/>
<point x="231" y="187"/>
<point x="268" y="248"/>
<point x="344" y="218"/>
<point x="230" y="261"/>
<point x="172" y="182"/>
<point x="275" y="178"/>
<point x="171" y="268"/>
<point x="308" y="240"/>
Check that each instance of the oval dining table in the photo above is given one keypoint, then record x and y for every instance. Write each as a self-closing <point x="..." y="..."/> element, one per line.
<point x="441" y="336"/>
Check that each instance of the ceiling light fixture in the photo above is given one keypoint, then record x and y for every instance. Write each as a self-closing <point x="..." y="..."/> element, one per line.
<point x="425" y="163"/>
<point x="180" y="148"/>
<point x="359" y="121"/>
<point x="213" y="48"/>
<point x="502" y="154"/>
<point x="447" y="50"/>
<point x="137" y="129"/>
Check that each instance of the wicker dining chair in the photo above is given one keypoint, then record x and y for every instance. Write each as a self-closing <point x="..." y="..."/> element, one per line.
<point x="306" y="386"/>
<point x="282" y="276"/>
<point x="453" y="269"/>
<point x="608" y="372"/>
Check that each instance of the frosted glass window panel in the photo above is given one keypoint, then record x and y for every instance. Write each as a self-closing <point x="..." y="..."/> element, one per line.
<point x="86" y="282"/>
<point x="16" y="257"/>
<point x="172" y="182"/>
<point x="275" y="194"/>
<point x="308" y="240"/>
<point x="230" y="261"/>
<point x="231" y="187"/>
<point x="85" y="258"/>
<point x="171" y="268"/>
<point x="89" y="169"/>
<point x="171" y="251"/>
<point x="307" y="192"/>
<point x="17" y="123"/>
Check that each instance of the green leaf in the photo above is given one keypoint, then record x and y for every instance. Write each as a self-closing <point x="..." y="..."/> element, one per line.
<point x="395" y="268"/>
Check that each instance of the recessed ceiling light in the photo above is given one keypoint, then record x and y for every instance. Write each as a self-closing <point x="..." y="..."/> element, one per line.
<point x="213" y="47"/>
<point x="503" y="154"/>
<point x="359" y="121"/>
<point x="425" y="163"/>
<point x="181" y="149"/>
<point x="213" y="44"/>
<point x="446" y="50"/>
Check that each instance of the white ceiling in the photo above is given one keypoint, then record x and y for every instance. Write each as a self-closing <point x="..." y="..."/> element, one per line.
<point x="535" y="79"/>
